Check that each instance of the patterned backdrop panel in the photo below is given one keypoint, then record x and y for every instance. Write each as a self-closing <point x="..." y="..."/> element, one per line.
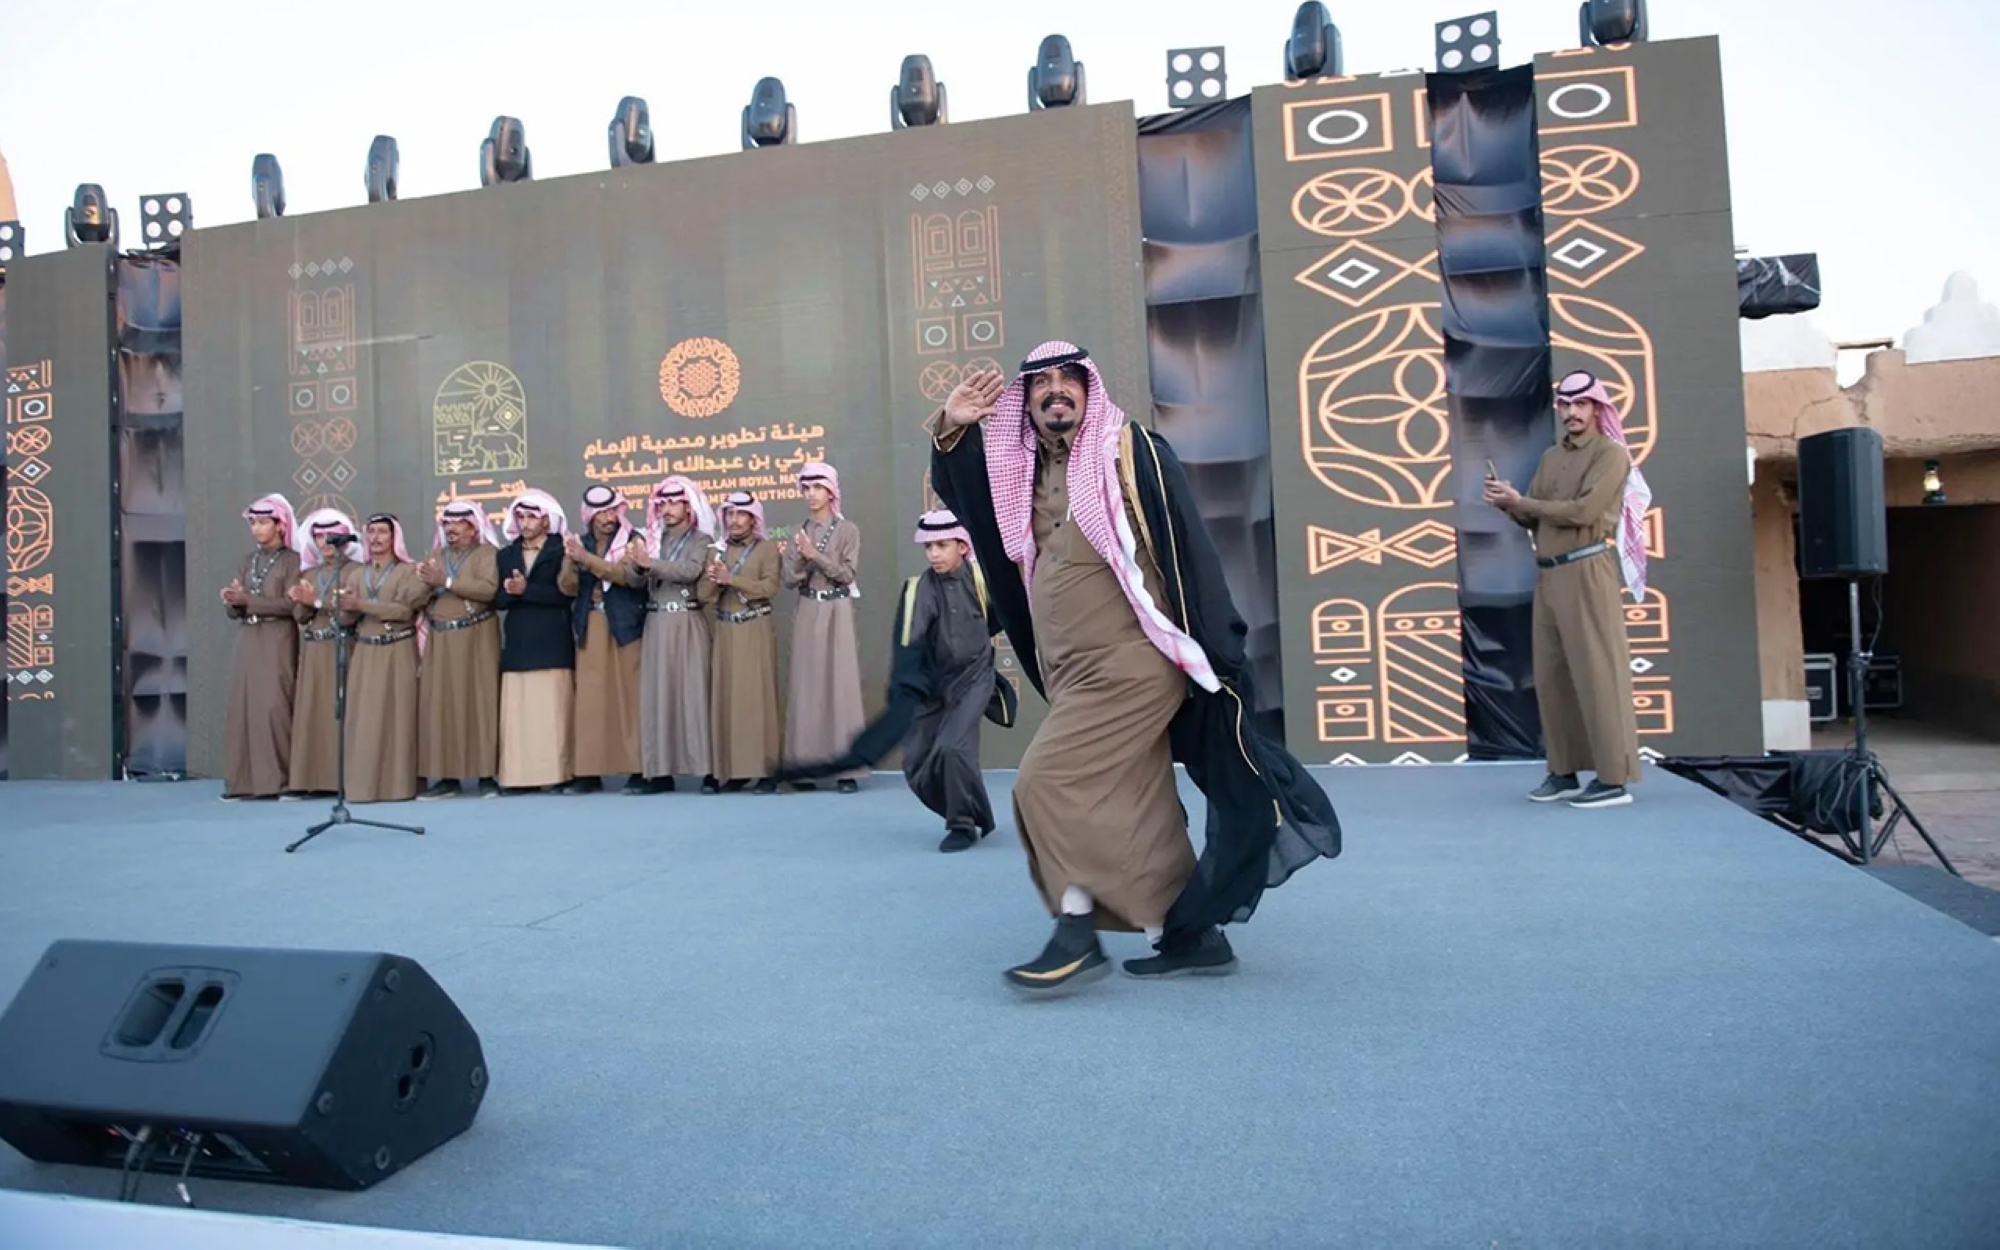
<point x="1641" y="293"/>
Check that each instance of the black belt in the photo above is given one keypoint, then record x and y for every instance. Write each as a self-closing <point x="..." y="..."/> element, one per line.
<point x="463" y="622"/>
<point x="749" y="614"/>
<point x="1571" y="557"/>
<point x="383" y="640"/>
<point x="267" y="619"/>
<point x="826" y="596"/>
<point x="669" y="605"/>
<point x="325" y="633"/>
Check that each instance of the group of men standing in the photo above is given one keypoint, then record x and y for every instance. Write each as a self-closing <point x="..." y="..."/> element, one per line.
<point x="541" y="659"/>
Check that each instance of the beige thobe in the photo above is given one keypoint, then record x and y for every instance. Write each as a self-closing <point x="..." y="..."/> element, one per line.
<point x="315" y="736"/>
<point x="674" y="724"/>
<point x="1583" y="664"/>
<point x="743" y="694"/>
<point x="382" y="602"/>
<point x="458" y="698"/>
<point x="257" y="720"/>
<point x="823" y="711"/>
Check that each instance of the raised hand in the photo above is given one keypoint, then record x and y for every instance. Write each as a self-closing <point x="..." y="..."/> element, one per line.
<point x="972" y="400"/>
<point x="517" y="583"/>
<point x="431" y="574"/>
<point x="301" y="592"/>
<point x="573" y="547"/>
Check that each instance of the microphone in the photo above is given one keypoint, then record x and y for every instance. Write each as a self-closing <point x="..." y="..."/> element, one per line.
<point x="341" y="540"/>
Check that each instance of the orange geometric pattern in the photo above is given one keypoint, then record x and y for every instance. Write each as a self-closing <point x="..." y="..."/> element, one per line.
<point x="1586" y="178"/>
<point x="1427" y="544"/>
<point x="31" y="533"/>
<point x="699" y="377"/>
<point x="1423" y="671"/>
<point x="1373" y="419"/>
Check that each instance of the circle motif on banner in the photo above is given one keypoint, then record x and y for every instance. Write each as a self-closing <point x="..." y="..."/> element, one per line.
<point x="340" y="436"/>
<point x="30" y="440"/>
<point x="1579" y="101"/>
<point x="308" y="439"/>
<point x="1373" y="413"/>
<point x="31" y="528"/>
<point x="937" y="380"/>
<point x="1345" y="203"/>
<point x="699" y="377"/>
<point x="1586" y="178"/>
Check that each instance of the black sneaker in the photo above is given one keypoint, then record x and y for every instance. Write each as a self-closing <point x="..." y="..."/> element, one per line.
<point x="959" y="840"/>
<point x="710" y="785"/>
<point x="582" y="785"/>
<point x="440" y="790"/>
<point x="1600" y="795"/>
<point x="765" y="785"/>
<point x="847" y="785"/>
<point x="1556" y="786"/>
<point x="1071" y="960"/>
<point x="1207" y="955"/>
<point x="489" y="788"/>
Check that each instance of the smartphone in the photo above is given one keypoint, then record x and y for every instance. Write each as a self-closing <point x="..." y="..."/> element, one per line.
<point x="1492" y="474"/>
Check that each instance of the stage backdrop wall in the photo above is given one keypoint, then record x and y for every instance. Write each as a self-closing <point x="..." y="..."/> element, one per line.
<point x="1641" y="291"/>
<point x="62" y="518"/>
<point x="726" y="318"/>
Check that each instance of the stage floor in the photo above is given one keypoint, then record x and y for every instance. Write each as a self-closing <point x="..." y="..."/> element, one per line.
<point x="779" y="1021"/>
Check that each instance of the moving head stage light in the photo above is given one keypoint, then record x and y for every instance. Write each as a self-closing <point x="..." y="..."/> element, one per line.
<point x="631" y="134"/>
<point x="1602" y="22"/>
<point x="1055" y="80"/>
<point x="385" y="164"/>
<point x="267" y="186"/>
<point x="918" y="98"/>
<point x="1313" y="51"/>
<point x="90" y="218"/>
<point x="504" y="156"/>
<point x="769" y="120"/>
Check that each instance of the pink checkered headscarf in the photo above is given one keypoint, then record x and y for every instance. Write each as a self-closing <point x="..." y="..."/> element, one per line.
<point x="701" y="515"/>
<point x="820" y="473"/>
<point x="599" y="500"/>
<point x="324" y="521"/>
<point x="1096" y="501"/>
<point x="742" y="501"/>
<point x="464" y="510"/>
<point x="1638" y="496"/>
<point x="280" y="509"/>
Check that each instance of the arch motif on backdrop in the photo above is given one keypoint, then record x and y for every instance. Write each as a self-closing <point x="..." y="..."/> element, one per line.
<point x="1373" y="417"/>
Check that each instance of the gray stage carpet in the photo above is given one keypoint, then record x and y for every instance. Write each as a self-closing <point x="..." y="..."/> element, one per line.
<point x="779" y="1021"/>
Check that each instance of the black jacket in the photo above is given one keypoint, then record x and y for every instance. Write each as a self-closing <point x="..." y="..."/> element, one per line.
<point x="624" y="606"/>
<point x="537" y="634"/>
<point x="1267" y="817"/>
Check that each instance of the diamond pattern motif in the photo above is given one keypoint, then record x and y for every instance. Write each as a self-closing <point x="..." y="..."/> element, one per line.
<point x="1583" y="252"/>
<point x="1427" y="544"/>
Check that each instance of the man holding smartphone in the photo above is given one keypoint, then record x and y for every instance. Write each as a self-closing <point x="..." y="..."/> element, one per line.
<point x="1585" y="509"/>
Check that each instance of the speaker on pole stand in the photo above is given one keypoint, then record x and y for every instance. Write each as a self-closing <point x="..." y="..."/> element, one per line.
<point x="1844" y="535"/>
<point x="340" y="814"/>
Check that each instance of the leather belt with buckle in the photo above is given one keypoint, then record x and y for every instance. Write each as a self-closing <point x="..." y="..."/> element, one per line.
<point x="825" y="596"/>
<point x="1571" y="557"/>
<point x="383" y="640"/>
<point x="325" y="633"/>
<point x="751" y="614"/>
<point x="463" y="622"/>
<point x="668" y="605"/>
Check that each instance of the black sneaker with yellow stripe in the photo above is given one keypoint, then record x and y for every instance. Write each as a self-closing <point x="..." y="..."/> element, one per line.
<point x="1071" y="960"/>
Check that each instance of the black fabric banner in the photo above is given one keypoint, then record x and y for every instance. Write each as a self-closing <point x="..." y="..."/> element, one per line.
<point x="1205" y="348"/>
<point x="1485" y="167"/>
<point x="153" y="511"/>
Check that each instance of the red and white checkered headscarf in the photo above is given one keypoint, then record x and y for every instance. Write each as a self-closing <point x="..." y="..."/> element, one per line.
<point x="701" y="515"/>
<point x="1096" y="501"/>
<point x="278" y="508"/>
<point x="1638" y="496"/>
<point x="465" y="510"/>
<point x="742" y="501"/>
<point x="324" y="521"/>
<point x="599" y="500"/>
<point x="820" y="473"/>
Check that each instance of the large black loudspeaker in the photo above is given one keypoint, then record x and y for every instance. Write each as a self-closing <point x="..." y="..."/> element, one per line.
<point x="1843" y="520"/>
<point x="320" y="1068"/>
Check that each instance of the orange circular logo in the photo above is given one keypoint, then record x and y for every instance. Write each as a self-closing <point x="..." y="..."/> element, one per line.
<point x="699" y="377"/>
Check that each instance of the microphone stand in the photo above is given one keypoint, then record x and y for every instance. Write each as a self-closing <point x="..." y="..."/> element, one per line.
<point x="340" y="814"/>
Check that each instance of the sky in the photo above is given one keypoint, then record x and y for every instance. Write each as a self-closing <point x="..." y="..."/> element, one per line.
<point x="1860" y="131"/>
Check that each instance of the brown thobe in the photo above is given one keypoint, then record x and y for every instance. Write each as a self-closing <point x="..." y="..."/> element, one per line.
<point x="823" y="709"/>
<point x="257" y="721"/>
<point x="1094" y="800"/>
<point x="605" y="737"/>
<point x="315" y="736"/>
<point x="458" y="698"/>
<point x="673" y="665"/>
<point x="1583" y="665"/>
<point x="383" y="601"/>
<point x="743" y="693"/>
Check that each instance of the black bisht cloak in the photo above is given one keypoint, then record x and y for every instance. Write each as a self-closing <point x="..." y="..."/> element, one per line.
<point x="914" y="681"/>
<point x="1267" y="817"/>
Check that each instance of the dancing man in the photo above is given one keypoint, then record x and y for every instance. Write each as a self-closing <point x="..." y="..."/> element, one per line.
<point x="743" y="693"/>
<point x="383" y="601"/>
<point x="458" y="700"/>
<point x="1586" y="508"/>
<point x="538" y="649"/>
<point x="315" y="734"/>
<point x="257" y="722"/>
<point x="941" y="684"/>
<point x="823" y="701"/>
<point x="673" y="664"/>
<point x="1105" y="581"/>
<point x="608" y="617"/>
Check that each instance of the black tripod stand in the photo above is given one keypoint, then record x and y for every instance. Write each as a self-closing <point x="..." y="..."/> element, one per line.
<point x="340" y="814"/>
<point x="1863" y="771"/>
